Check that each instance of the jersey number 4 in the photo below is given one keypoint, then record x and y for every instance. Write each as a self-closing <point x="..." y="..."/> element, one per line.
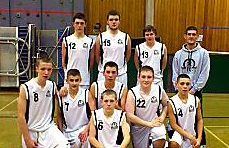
<point x="180" y="112"/>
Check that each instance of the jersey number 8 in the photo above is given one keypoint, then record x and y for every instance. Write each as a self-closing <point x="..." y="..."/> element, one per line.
<point x="35" y="96"/>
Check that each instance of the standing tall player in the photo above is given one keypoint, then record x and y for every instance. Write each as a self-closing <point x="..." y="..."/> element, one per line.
<point x="113" y="45"/>
<point x="151" y="53"/>
<point x="78" y="51"/>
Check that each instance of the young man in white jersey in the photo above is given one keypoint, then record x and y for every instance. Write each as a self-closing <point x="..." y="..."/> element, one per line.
<point x="151" y="53"/>
<point x="142" y="107"/>
<point x="76" y="110"/>
<point x="184" y="110"/>
<point x="108" y="126"/>
<point x="36" y="105"/>
<point x="78" y="50"/>
<point x="113" y="45"/>
<point x="110" y="73"/>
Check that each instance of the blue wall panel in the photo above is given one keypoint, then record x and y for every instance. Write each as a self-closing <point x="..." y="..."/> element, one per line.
<point x="4" y="13"/>
<point x="24" y="12"/>
<point x="45" y="14"/>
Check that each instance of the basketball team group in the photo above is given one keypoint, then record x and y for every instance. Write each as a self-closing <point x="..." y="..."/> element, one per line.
<point x="106" y="113"/>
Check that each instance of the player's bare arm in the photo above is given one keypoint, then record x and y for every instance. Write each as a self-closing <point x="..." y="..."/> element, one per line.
<point x="136" y="61"/>
<point x="21" y="106"/>
<point x="164" y="58"/>
<point x="92" y="57"/>
<point x="199" y="124"/>
<point x="58" y="111"/>
<point x="92" y="90"/>
<point x="126" y="134"/>
<point x="92" y="134"/>
<point x="84" y="134"/>
<point x="123" y="98"/>
<point x="128" y="51"/>
<point x="91" y="101"/>
<point x="164" y="104"/>
<point x="97" y="49"/>
<point x="63" y="55"/>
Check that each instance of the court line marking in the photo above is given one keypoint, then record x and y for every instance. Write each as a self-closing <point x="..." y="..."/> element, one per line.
<point x="217" y="126"/>
<point x="9" y="93"/>
<point x="8" y="105"/>
<point x="225" y="144"/>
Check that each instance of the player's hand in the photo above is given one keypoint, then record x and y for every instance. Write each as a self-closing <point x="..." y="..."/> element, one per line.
<point x="193" y="140"/>
<point x="83" y="136"/>
<point x="155" y="122"/>
<point x="63" y="91"/>
<point x="161" y="119"/>
<point x="31" y="143"/>
<point x="197" y="145"/>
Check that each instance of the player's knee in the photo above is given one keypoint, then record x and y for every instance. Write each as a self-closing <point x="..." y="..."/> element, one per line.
<point x="173" y="144"/>
<point x="159" y="143"/>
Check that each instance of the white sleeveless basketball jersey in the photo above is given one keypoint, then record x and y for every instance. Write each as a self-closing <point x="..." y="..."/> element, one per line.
<point x="75" y="110"/>
<point x="151" y="57"/>
<point x="78" y="55"/>
<point x="40" y="105"/>
<point x="113" y="49"/>
<point x="100" y="88"/>
<point x="146" y="107"/>
<point x="107" y="129"/>
<point x="185" y="113"/>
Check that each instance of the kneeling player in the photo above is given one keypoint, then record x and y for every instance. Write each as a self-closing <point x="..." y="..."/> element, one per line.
<point x="183" y="108"/>
<point x="76" y="110"/>
<point x="108" y="126"/>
